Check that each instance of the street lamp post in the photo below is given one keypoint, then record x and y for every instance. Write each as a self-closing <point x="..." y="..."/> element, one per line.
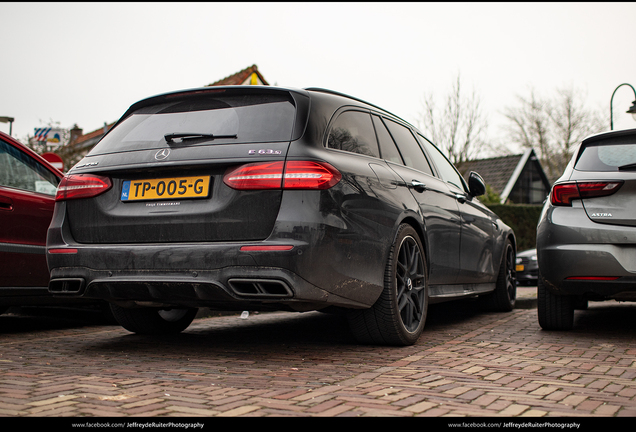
<point x="631" y="110"/>
<point x="5" y="119"/>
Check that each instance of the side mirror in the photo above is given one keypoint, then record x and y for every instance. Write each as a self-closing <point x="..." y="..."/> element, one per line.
<point x="476" y="184"/>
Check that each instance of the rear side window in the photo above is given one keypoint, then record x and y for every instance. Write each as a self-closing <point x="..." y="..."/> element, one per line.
<point x="251" y="117"/>
<point x="606" y="158"/>
<point x="353" y="132"/>
<point x="20" y="171"/>
<point x="387" y="147"/>
<point x="409" y="148"/>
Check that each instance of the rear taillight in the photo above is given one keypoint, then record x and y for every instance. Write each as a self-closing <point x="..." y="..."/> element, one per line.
<point x="77" y="186"/>
<point x="310" y="175"/>
<point x="563" y="193"/>
<point x="255" y="176"/>
<point x="282" y="175"/>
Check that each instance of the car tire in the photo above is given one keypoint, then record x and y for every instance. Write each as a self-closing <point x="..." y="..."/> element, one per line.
<point x="503" y="298"/>
<point x="399" y="314"/>
<point x="556" y="312"/>
<point x="152" y="321"/>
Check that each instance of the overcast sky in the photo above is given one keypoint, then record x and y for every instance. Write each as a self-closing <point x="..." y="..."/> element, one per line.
<point x="86" y="63"/>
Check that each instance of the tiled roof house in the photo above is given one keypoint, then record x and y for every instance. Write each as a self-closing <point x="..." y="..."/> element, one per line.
<point x="518" y="179"/>
<point x="248" y="76"/>
<point x="81" y="143"/>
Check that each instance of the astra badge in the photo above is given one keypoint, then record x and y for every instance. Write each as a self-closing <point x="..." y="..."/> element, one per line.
<point x="162" y="154"/>
<point x="601" y="215"/>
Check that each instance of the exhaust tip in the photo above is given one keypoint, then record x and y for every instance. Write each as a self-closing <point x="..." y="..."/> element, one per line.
<point x="66" y="286"/>
<point x="260" y="288"/>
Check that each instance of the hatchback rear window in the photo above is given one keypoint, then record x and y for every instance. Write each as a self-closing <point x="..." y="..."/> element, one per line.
<point x="237" y="119"/>
<point x="606" y="158"/>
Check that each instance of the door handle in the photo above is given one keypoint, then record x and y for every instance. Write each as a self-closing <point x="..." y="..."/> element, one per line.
<point x="6" y="203"/>
<point x="418" y="185"/>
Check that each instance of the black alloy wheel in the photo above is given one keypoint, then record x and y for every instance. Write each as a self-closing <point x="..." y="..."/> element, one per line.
<point x="504" y="297"/>
<point x="399" y="314"/>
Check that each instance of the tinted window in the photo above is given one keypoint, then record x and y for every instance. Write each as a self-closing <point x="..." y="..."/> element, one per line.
<point x="353" y="132"/>
<point x="252" y="118"/>
<point x="606" y="157"/>
<point x="388" y="150"/>
<point x="409" y="148"/>
<point x="20" y="171"/>
<point x="447" y="172"/>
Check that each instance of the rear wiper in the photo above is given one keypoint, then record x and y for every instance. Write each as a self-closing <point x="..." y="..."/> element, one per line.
<point x="630" y="166"/>
<point x="188" y="136"/>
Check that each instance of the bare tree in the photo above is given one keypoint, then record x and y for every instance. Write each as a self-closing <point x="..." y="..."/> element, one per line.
<point x="552" y="126"/>
<point x="457" y="127"/>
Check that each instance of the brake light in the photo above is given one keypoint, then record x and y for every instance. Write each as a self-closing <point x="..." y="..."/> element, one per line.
<point x="77" y="186"/>
<point x="310" y="175"/>
<point x="63" y="251"/>
<point x="593" y="278"/>
<point x="282" y="175"/>
<point x="266" y="248"/>
<point x="267" y="175"/>
<point x="562" y="194"/>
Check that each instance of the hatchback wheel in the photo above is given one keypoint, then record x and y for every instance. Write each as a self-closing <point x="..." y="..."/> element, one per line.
<point x="399" y="314"/>
<point x="153" y="321"/>
<point x="556" y="312"/>
<point x="505" y="295"/>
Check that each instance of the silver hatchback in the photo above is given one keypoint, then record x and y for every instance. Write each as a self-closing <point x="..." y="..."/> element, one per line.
<point x="586" y="237"/>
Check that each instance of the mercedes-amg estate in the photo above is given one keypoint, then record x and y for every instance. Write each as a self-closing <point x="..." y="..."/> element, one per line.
<point x="265" y="198"/>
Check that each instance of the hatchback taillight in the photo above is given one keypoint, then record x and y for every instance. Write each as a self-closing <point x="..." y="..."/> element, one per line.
<point x="282" y="175"/>
<point x="77" y="186"/>
<point x="563" y="193"/>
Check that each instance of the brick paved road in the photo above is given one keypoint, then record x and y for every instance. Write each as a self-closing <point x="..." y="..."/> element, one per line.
<point x="468" y="363"/>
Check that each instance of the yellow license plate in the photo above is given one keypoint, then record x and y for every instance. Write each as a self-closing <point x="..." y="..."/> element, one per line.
<point x="520" y="267"/>
<point x="166" y="188"/>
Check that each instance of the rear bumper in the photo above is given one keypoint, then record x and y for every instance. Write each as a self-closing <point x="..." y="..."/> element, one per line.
<point x="570" y="247"/>
<point x="229" y="288"/>
<point x="217" y="276"/>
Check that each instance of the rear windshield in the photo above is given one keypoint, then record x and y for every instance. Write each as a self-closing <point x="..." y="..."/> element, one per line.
<point x="606" y="157"/>
<point x="251" y="118"/>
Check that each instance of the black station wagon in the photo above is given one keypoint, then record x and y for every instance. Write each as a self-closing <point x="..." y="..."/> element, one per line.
<point x="265" y="198"/>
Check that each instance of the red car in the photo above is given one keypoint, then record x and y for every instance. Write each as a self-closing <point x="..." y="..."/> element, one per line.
<point x="27" y="196"/>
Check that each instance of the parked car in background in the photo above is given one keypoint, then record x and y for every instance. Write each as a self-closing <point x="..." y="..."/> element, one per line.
<point x="586" y="236"/>
<point x="28" y="185"/>
<point x="527" y="267"/>
<point x="265" y="198"/>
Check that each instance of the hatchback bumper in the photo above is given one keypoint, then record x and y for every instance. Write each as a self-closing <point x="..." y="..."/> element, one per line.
<point x="580" y="257"/>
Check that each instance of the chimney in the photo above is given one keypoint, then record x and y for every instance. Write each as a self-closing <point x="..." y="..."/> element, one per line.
<point x="76" y="132"/>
